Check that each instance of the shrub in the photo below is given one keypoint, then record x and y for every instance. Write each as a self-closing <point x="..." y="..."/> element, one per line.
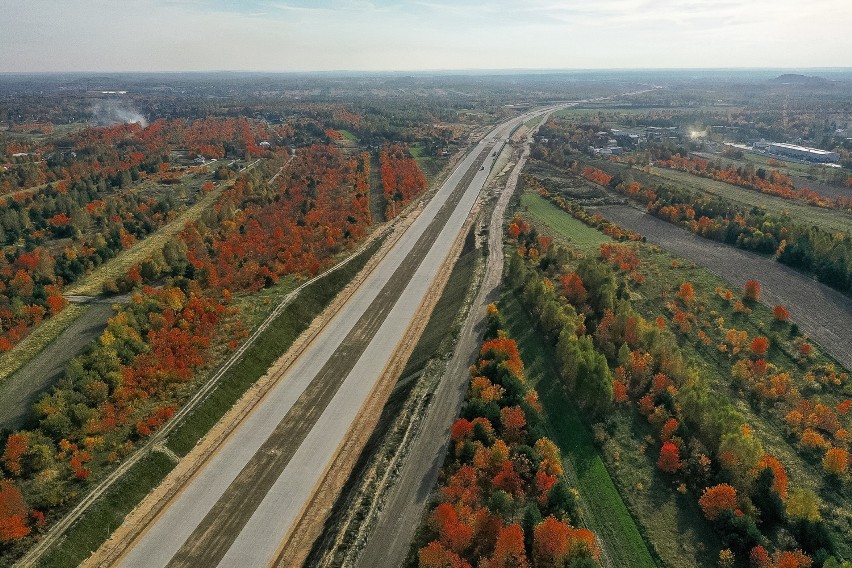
<point x="752" y="291"/>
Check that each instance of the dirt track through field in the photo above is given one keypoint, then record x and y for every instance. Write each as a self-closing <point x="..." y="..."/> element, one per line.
<point x="821" y="312"/>
<point x="23" y="388"/>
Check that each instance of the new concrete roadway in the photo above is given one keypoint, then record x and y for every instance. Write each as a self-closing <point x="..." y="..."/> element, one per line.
<point x="243" y="502"/>
<point x="390" y="536"/>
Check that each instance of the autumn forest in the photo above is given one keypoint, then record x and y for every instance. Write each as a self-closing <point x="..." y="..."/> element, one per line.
<point x="633" y="351"/>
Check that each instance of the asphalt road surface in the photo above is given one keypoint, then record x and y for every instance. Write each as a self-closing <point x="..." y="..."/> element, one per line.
<point x="242" y="503"/>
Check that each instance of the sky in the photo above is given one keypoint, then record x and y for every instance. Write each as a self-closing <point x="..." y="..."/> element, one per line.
<point x="383" y="35"/>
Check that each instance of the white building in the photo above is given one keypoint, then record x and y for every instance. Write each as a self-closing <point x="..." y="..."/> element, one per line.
<point x="803" y="152"/>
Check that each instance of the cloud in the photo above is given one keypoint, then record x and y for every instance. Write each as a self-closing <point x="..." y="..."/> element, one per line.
<point x="285" y="35"/>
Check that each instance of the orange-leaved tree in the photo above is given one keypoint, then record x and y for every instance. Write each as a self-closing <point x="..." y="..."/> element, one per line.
<point x="759" y="345"/>
<point x="686" y="293"/>
<point x="781" y="313"/>
<point x="435" y="555"/>
<point x="836" y="461"/>
<point x="718" y="499"/>
<point x="551" y="542"/>
<point x="669" y="461"/>
<point x="752" y="291"/>
<point x="509" y="550"/>
<point x="13" y="513"/>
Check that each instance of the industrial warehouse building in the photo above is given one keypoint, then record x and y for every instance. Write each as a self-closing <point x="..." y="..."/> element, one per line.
<point x="802" y="152"/>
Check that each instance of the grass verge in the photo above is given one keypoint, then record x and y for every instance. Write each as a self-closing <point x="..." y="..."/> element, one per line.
<point x="108" y="513"/>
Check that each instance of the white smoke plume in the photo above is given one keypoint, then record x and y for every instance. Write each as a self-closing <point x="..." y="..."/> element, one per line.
<point x="107" y="112"/>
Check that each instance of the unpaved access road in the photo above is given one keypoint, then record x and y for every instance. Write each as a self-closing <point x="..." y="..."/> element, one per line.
<point x="245" y="499"/>
<point x="822" y="312"/>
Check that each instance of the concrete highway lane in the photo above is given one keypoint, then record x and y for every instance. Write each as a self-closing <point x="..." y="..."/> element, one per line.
<point x="241" y="504"/>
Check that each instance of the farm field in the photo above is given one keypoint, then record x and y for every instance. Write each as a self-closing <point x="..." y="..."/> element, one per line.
<point x="824" y="314"/>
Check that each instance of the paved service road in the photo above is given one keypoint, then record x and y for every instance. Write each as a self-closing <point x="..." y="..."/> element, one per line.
<point x="242" y="503"/>
<point x="23" y="388"/>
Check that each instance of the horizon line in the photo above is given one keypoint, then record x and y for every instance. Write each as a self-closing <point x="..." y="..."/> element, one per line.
<point x="434" y="70"/>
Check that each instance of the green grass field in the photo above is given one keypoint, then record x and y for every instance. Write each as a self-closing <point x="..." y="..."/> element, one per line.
<point x="604" y="512"/>
<point x="829" y="181"/>
<point x="561" y="225"/>
<point x="108" y="513"/>
<point x="348" y="135"/>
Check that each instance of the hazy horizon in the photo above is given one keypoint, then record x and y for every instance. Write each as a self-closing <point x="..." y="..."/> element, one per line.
<point x="300" y="36"/>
